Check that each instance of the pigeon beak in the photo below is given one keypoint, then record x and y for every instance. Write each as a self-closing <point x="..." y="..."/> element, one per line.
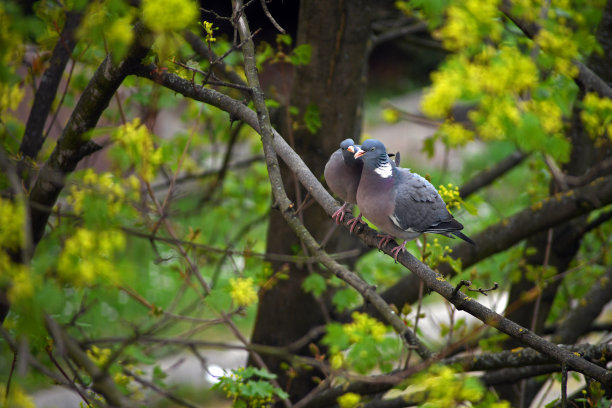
<point x="359" y="153"/>
<point x="351" y="149"/>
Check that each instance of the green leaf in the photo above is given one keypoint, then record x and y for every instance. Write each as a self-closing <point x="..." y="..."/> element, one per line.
<point x="301" y="54"/>
<point x="314" y="284"/>
<point x="158" y="376"/>
<point x="283" y="39"/>
<point x="312" y="119"/>
<point x="336" y="338"/>
<point x="344" y="299"/>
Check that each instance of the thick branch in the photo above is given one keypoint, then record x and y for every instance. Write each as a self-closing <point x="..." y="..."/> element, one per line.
<point x="45" y="94"/>
<point x="515" y="375"/>
<point x="577" y="322"/>
<point x="522" y="357"/>
<point x="489" y="175"/>
<point x="527" y="362"/>
<point x="74" y="143"/>
<point x="567" y="206"/>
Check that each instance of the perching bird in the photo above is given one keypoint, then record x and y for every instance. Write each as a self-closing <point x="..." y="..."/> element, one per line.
<point x="400" y="203"/>
<point x="342" y="174"/>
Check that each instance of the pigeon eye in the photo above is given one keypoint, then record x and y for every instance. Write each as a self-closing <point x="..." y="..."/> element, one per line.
<point x="372" y="149"/>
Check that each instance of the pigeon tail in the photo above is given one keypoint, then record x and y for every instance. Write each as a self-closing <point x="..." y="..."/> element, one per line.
<point x="464" y="237"/>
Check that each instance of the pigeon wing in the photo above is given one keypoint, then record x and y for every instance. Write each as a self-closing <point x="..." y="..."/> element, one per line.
<point x="418" y="206"/>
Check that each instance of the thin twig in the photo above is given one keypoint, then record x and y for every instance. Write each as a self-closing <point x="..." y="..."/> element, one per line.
<point x="10" y="377"/>
<point x="272" y="20"/>
<point x="160" y="391"/>
<point x="61" y="370"/>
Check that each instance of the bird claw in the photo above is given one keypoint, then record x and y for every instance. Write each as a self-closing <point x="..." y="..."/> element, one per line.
<point x="353" y="223"/>
<point x="397" y="250"/>
<point x="384" y="239"/>
<point x="338" y="216"/>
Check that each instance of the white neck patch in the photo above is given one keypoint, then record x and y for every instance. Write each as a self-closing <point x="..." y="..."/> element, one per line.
<point x="385" y="170"/>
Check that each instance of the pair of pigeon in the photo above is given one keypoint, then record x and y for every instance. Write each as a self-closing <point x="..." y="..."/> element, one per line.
<point x="400" y="203"/>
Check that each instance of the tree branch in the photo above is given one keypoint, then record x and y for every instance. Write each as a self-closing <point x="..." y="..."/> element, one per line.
<point x="238" y="164"/>
<point x="525" y="362"/>
<point x="45" y="94"/>
<point x="577" y="322"/>
<point x="397" y="32"/>
<point x="216" y="64"/>
<point x="74" y="144"/>
<point x="489" y="175"/>
<point x="526" y="357"/>
<point x="102" y="382"/>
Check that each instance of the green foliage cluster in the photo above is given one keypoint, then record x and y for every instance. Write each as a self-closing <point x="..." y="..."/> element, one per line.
<point x="445" y="387"/>
<point x="362" y="345"/>
<point x="250" y="387"/>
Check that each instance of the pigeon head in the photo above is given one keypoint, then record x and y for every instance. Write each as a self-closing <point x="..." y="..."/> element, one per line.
<point x="346" y="143"/>
<point x="349" y="148"/>
<point x="374" y="156"/>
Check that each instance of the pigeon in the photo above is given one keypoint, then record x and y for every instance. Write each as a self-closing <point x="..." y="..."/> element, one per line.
<point x="342" y="174"/>
<point x="400" y="203"/>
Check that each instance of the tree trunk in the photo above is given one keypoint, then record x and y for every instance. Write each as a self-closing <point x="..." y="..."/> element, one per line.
<point x="334" y="81"/>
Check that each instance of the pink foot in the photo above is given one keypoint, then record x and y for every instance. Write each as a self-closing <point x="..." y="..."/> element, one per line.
<point x="353" y="223"/>
<point x="398" y="249"/>
<point x="338" y="216"/>
<point x="384" y="239"/>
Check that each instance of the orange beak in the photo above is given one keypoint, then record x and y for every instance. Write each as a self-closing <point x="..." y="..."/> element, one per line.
<point x="359" y="153"/>
<point x="351" y="149"/>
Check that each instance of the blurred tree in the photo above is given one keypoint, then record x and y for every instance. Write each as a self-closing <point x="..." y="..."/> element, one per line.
<point x="135" y="202"/>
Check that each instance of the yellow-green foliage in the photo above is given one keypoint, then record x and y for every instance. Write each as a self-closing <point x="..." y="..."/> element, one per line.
<point x="361" y="345"/>
<point x="89" y="255"/>
<point x="349" y="400"/>
<point x="17" y="397"/>
<point x="209" y="29"/>
<point x="242" y="291"/>
<point x="169" y="15"/>
<point x="470" y="23"/>
<point x="135" y="139"/>
<point x="10" y="96"/>
<point x="443" y="387"/>
<point x="115" y="192"/>
<point x="12" y="215"/>
<point x="250" y="387"/>
<point x="167" y="19"/>
<point x="12" y="238"/>
<point x="11" y="44"/>
<point x="597" y="116"/>
<point x="509" y="80"/>
<point x="112" y="21"/>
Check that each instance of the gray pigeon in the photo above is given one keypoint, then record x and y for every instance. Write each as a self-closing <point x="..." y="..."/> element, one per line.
<point x="342" y="174"/>
<point x="400" y="203"/>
